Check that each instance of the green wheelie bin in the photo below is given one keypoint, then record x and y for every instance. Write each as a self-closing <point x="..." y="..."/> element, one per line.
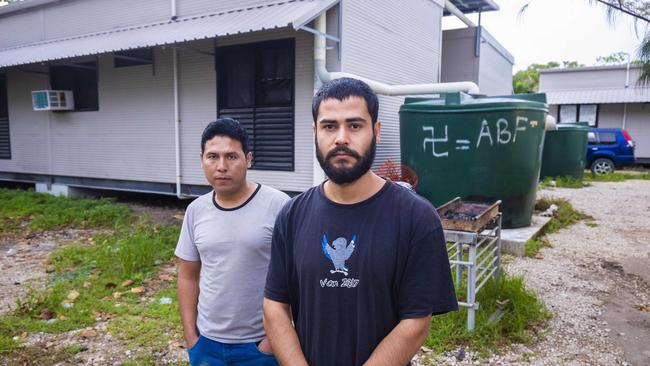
<point x="565" y="151"/>
<point x="481" y="149"/>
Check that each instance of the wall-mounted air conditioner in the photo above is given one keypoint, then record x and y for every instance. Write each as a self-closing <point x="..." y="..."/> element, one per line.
<point x="52" y="100"/>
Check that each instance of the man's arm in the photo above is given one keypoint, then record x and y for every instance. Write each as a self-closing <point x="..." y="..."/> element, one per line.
<point x="401" y="344"/>
<point x="188" y="298"/>
<point x="281" y="333"/>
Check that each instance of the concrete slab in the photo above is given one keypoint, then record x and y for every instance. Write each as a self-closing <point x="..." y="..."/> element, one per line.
<point x="513" y="240"/>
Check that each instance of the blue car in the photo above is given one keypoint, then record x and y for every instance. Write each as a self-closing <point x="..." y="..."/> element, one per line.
<point x="607" y="149"/>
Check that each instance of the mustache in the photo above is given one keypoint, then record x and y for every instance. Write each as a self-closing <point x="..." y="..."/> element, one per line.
<point x="343" y="149"/>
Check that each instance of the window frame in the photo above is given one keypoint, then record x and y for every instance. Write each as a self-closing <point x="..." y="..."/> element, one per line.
<point x="257" y="49"/>
<point x="577" y="115"/>
<point x="75" y="89"/>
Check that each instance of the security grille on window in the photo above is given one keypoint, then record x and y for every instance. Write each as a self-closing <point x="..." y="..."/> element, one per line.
<point x="5" y="146"/>
<point x="256" y="86"/>
<point x="571" y="113"/>
<point x="81" y="78"/>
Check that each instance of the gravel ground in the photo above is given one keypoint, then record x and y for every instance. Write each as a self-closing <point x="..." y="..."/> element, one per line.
<point x="594" y="279"/>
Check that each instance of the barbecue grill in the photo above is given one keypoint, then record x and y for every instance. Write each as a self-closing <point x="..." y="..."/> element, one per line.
<point x="474" y="227"/>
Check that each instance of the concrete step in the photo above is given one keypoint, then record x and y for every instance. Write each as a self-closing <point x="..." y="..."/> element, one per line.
<point x="514" y="240"/>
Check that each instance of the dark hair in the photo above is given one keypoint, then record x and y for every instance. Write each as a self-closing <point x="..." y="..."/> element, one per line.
<point x="344" y="88"/>
<point x="226" y="127"/>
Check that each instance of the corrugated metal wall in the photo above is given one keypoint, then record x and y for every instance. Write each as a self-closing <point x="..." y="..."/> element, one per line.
<point x="28" y="130"/>
<point x="393" y="42"/>
<point x="131" y="136"/>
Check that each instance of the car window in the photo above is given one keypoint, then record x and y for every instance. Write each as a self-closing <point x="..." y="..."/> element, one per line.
<point x="607" y="138"/>
<point x="591" y="137"/>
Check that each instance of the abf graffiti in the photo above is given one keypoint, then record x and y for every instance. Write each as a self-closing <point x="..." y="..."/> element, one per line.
<point x="501" y="133"/>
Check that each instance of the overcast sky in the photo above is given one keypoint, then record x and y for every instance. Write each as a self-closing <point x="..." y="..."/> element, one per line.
<point x="557" y="30"/>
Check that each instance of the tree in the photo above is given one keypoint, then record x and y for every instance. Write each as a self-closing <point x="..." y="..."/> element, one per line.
<point x="640" y="11"/>
<point x="527" y="81"/>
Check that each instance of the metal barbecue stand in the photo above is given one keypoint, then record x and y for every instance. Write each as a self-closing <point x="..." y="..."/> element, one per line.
<point x="483" y="240"/>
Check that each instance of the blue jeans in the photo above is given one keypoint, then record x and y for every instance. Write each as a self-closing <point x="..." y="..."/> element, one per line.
<point x="207" y="352"/>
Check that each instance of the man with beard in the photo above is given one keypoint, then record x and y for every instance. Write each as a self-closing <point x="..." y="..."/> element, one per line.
<point x="358" y="263"/>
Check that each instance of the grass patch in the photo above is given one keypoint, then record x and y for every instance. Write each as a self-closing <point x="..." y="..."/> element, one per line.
<point x="523" y="312"/>
<point x="616" y="177"/>
<point x="96" y="271"/>
<point x="30" y="211"/>
<point x="561" y="182"/>
<point x="564" y="216"/>
<point x="153" y="327"/>
<point x="533" y="246"/>
<point x="41" y="356"/>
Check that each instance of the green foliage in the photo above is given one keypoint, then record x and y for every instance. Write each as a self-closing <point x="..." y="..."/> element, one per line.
<point x="532" y="246"/>
<point x="523" y="312"/>
<point x="564" y="216"/>
<point x="527" y="81"/>
<point x="616" y="177"/>
<point x="95" y="271"/>
<point x="153" y="327"/>
<point x="561" y="182"/>
<point x="33" y="212"/>
<point x="615" y="58"/>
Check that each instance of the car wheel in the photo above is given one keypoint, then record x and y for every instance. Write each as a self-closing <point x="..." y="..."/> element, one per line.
<point x="602" y="166"/>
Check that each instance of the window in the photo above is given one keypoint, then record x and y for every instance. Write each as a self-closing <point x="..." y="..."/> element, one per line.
<point x="143" y="56"/>
<point x="256" y="87"/>
<point x="571" y="113"/>
<point x="5" y="146"/>
<point x="81" y="78"/>
<point x="607" y="138"/>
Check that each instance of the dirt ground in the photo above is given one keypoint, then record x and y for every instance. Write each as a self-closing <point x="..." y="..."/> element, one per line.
<point x="595" y="280"/>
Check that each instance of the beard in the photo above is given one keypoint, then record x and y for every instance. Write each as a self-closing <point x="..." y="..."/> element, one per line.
<point x="346" y="175"/>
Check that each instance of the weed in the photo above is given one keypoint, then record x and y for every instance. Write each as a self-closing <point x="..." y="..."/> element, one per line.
<point x="591" y="223"/>
<point x="616" y="177"/>
<point x="564" y="216"/>
<point x="523" y="313"/>
<point x="532" y="246"/>
<point x="34" y="212"/>
<point x="153" y="327"/>
<point x="41" y="356"/>
<point x="96" y="272"/>
<point x="561" y="182"/>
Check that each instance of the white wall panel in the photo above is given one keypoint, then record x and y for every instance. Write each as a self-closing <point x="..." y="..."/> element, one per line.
<point x="396" y="43"/>
<point x="28" y="130"/>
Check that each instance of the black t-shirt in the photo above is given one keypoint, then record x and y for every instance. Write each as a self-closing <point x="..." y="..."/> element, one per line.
<point x="351" y="272"/>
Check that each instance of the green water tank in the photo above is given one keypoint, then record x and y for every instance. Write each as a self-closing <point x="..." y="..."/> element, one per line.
<point x="565" y="151"/>
<point x="478" y="148"/>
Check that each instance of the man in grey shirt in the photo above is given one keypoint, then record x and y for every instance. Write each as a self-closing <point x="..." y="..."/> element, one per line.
<point x="224" y="250"/>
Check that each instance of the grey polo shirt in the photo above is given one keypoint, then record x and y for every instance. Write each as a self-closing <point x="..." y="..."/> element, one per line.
<point x="234" y="248"/>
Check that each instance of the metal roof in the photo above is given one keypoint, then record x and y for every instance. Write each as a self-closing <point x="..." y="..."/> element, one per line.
<point x="473" y="6"/>
<point x="599" y="96"/>
<point x="294" y="13"/>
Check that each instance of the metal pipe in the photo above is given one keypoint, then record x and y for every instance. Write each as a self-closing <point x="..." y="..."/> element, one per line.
<point x="458" y="14"/>
<point x="173" y="9"/>
<point x="177" y="121"/>
<point x="627" y="75"/>
<point x="377" y="86"/>
<point x="624" y="115"/>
